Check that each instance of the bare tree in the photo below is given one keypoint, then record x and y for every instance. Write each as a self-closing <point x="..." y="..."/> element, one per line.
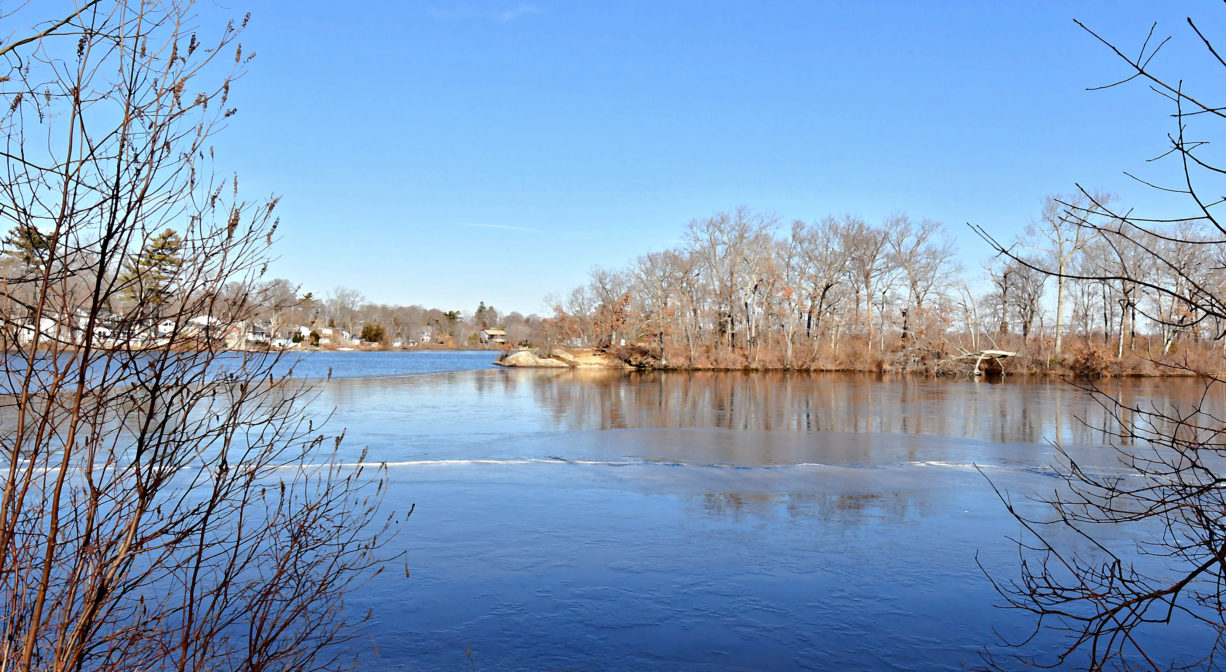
<point x="277" y="300"/>
<point x="655" y="276"/>
<point x="730" y="247"/>
<point x="1190" y="264"/>
<point x="578" y="309"/>
<point x="825" y="262"/>
<point x="924" y="255"/>
<point x="609" y="319"/>
<point x="690" y="294"/>
<point x="969" y="306"/>
<point x="1130" y="265"/>
<point x="1001" y="274"/>
<point x="1063" y="237"/>
<point x="1088" y="295"/>
<point x="1026" y="294"/>
<point x="165" y="504"/>
<point x="343" y="306"/>
<point x="791" y="305"/>
<point x="866" y="249"/>
<point x="1126" y="552"/>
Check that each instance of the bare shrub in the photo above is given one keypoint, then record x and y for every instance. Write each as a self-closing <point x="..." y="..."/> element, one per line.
<point x="167" y="503"/>
<point x="1124" y="552"/>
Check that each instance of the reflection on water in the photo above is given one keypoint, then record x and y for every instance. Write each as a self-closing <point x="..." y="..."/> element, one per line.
<point x="1025" y="411"/>
<point x="736" y="419"/>
<point x="847" y="507"/>
<point x="700" y="521"/>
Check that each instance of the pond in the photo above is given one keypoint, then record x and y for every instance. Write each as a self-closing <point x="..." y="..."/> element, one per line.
<point x="705" y="521"/>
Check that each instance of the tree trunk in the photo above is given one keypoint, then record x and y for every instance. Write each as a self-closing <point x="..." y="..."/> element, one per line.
<point x="1060" y="308"/>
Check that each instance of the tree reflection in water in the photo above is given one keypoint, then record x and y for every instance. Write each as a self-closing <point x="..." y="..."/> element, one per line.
<point x="795" y="519"/>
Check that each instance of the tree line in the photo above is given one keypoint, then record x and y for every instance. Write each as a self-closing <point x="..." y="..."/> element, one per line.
<point x="842" y="292"/>
<point x="741" y="290"/>
<point x="149" y="287"/>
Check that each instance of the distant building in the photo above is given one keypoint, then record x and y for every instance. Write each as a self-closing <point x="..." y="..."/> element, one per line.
<point x="492" y="336"/>
<point x="206" y="326"/>
<point x="47" y="326"/>
<point x="257" y="333"/>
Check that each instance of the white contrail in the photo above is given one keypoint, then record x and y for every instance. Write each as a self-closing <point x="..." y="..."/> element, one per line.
<point x="503" y="227"/>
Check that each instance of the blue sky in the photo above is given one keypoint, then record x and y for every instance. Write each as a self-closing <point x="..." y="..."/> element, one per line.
<point x="446" y="153"/>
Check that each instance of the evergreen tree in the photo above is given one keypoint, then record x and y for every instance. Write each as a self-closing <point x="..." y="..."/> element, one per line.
<point x="485" y="317"/>
<point x="149" y="276"/>
<point x="373" y="332"/>
<point x="26" y="243"/>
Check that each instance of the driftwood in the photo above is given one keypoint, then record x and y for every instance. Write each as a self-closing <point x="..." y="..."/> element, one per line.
<point x="996" y="356"/>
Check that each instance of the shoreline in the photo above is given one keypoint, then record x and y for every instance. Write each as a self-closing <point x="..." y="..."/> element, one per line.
<point x="948" y="367"/>
<point x="634" y="359"/>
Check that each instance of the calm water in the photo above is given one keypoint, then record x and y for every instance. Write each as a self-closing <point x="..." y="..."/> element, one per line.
<point x="706" y="521"/>
<point x="383" y="364"/>
<point x="120" y="368"/>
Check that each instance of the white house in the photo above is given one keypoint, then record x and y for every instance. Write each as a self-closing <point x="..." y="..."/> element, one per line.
<point x="257" y="334"/>
<point x="47" y="326"/>
<point x="492" y="336"/>
<point x="204" y="323"/>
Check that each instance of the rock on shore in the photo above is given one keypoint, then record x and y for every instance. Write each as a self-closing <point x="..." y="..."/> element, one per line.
<point x="525" y="358"/>
<point x="563" y="359"/>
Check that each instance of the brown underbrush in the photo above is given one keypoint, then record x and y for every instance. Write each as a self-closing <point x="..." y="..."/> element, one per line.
<point x="1080" y="357"/>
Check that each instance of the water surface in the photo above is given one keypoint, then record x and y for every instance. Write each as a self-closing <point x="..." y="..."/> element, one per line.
<point x="707" y="521"/>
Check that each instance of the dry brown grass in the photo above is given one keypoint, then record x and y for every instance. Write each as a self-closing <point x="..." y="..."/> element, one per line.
<point x="1081" y="357"/>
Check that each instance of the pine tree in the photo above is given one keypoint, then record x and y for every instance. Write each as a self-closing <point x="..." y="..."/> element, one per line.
<point x="149" y="276"/>
<point x="26" y="243"/>
<point x="481" y="318"/>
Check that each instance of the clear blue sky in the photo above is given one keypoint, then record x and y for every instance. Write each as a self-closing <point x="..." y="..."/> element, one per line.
<point x="446" y="153"/>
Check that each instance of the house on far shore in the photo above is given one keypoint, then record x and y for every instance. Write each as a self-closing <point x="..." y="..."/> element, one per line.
<point x="493" y="336"/>
<point x="258" y="333"/>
